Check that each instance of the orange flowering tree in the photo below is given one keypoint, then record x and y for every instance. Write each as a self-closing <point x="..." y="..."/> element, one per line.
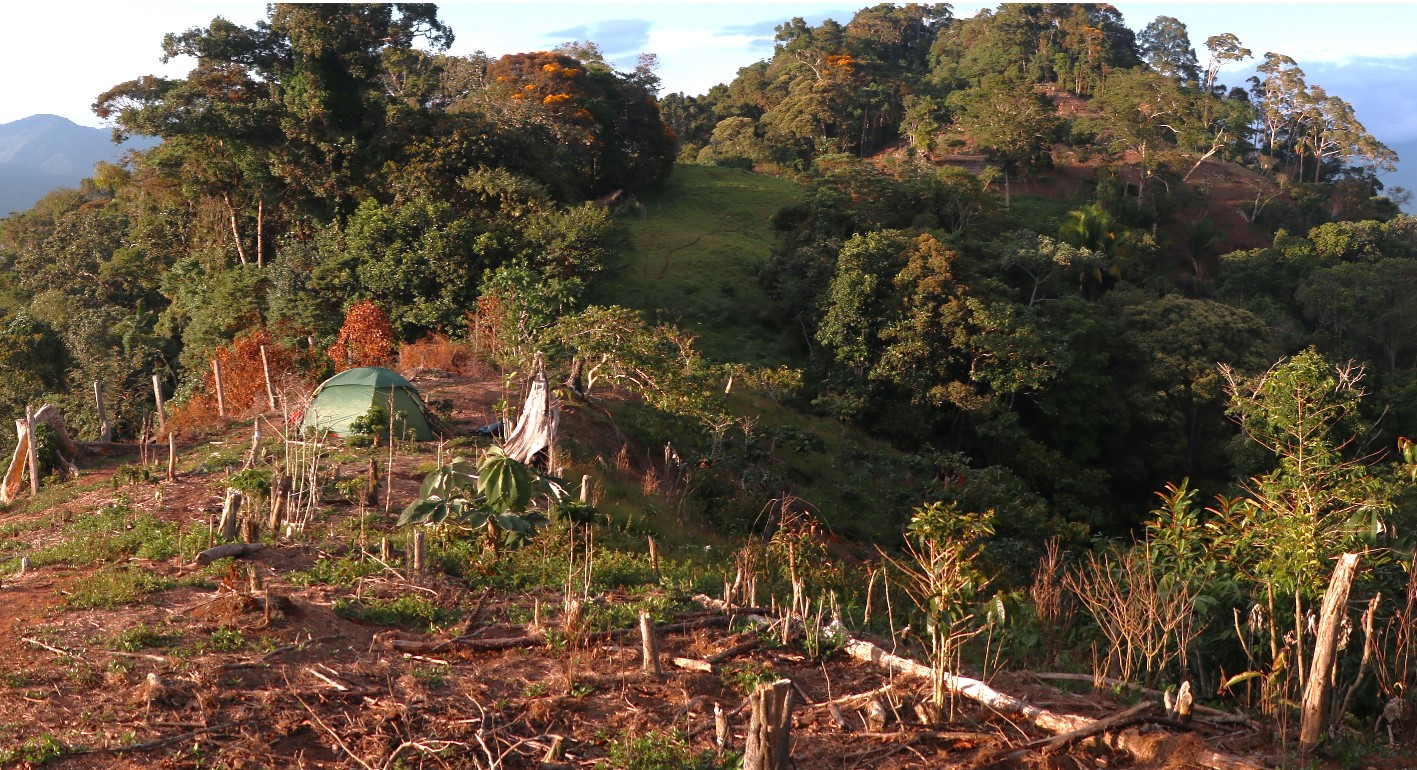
<point x="365" y="339"/>
<point x="608" y="123"/>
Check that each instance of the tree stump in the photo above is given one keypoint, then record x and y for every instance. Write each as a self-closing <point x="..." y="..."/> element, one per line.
<point x="769" y="742"/>
<point x="722" y="730"/>
<point x="1317" y="690"/>
<point x="250" y="529"/>
<point x="280" y="495"/>
<point x="418" y="564"/>
<point x="649" y="646"/>
<point x="371" y="484"/>
<point x="227" y="527"/>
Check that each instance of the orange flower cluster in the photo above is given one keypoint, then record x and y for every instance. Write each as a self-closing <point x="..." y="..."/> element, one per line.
<point x="844" y="62"/>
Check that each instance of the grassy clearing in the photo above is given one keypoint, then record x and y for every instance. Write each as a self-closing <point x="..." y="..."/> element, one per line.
<point x="112" y="587"/>
<point x="111" y="533"/>
<point x="695" y="256"/>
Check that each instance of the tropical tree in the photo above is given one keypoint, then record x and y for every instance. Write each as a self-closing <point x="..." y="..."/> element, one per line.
<point x="1224" y="49"/>
<point x="1167" y="48"/>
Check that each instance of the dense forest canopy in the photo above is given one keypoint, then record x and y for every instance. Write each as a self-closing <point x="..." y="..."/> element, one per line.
<point x="946" y="289"/>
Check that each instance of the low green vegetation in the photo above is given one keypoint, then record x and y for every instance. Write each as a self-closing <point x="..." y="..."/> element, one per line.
<point x="411" y="612"/>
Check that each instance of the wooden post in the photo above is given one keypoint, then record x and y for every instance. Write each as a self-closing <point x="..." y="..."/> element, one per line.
<point x="270" y="391"/>
<point x="384" y="550"/>
<point x="769" y="741"/>
<point x="172" y="455"/>
<point x="1317" y="689"/>
<point x="157" y="397"/>
<point x="585" y="488"/>
<point x="649" y="646"/>
<point x="105" y="431"/>
<point x="654" y="559"/>
<point x="419" y="542"/>
<point x="220" y="391"/>
<point x="32" y="456"/>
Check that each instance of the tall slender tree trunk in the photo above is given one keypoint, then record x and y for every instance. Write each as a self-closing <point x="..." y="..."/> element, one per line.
<point x="260" y="232"/>
<point x="235" y="230"/>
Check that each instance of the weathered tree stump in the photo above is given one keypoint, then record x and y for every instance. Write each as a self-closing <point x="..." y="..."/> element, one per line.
<point x="418" y="563"/>
<point x="649" y="646"/>
<point x="227" y="527"/>
<point x="1319" y="686"/>
<point x="769" y="742"/>
<point x="280" y="495"/>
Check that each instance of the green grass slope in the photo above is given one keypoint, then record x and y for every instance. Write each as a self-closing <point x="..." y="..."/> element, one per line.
<point x="694" y="259"/>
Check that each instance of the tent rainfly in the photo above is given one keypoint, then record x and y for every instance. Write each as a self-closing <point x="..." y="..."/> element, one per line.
<point x="350" y="394"/>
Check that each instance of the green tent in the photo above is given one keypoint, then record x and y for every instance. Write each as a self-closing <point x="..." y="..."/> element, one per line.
<point x="350" y="394"/>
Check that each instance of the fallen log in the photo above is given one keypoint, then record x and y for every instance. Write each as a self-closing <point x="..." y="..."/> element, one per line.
<point x="1143" y="746"/>
<point x="222" y="551"/>
<point x="1053" y="742"/>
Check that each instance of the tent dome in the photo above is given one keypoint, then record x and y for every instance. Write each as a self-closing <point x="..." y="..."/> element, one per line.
<point x="349" y="395"/>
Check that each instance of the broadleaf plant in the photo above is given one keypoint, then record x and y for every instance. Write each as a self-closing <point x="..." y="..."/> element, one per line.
<point x="495" y="495"/>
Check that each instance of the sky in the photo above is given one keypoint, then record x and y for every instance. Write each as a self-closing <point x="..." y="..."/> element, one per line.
<point x="1363" y="52"/>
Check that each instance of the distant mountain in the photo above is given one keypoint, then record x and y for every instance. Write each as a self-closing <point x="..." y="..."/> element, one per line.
<point x="42" y="152"/>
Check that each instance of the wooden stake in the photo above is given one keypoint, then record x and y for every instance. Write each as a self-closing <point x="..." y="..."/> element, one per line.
<point x="172" y="455"/>
<point x="105" y="431"/>
<point x="654" y="559"/>
<point x="384" y="550"/>
<point x="220" y="391"/>
<point x="270" y="391"/>
<point x="585" y="488"/>
<point x="157" y="397"/>
<point x="1319" y="686"/>
<point x="33" y="458"/>
<point x="649" y="646"/>
<point x="769" y="741"/>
